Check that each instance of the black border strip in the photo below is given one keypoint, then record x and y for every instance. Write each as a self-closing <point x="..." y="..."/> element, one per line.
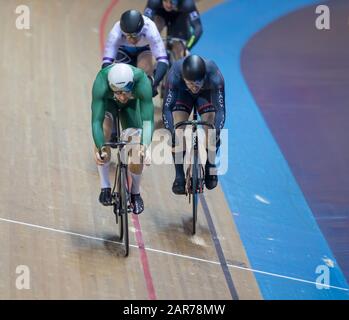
<point x="219" y="249"/>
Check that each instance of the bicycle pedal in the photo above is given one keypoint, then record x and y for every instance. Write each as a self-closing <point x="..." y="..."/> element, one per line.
<point x="115" y="196"/>
<point x="115" y="202"/>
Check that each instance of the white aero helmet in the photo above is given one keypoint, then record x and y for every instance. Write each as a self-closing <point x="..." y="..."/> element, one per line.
<point x="120" y="77"/>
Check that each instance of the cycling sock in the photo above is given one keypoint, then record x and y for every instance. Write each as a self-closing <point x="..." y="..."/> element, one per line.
<point x="103" y="171"/>
<point x="136" y="183"/>
<point x="178" y="162"/>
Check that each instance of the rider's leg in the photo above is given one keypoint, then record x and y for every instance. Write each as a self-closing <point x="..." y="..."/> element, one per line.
<point x="132" y="122"/>
<point x="136" y="170"/>
<point x="136" y="174"/>
<point x="208" y="114"/>
<point x="178" y="49"/>
<point x="135" y="161"/>
<point x="210" y="135"/>
<point x="180" y="112"/>
<point x="145" y="62"/>
<point x="178" y="152"/>
<point x="103" y="170"/>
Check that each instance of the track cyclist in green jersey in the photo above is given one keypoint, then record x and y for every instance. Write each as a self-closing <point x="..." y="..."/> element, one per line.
<point x="124" y="87"/>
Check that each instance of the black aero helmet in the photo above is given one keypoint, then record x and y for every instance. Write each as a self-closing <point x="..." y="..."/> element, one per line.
<point x="131" y="21"/>
<point x="194" y="68"/>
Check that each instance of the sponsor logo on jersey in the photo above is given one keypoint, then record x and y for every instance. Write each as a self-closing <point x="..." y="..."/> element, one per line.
<point x="194" y="15"/>
<point x="168" y="102"/>
<point x="148" y="12"/>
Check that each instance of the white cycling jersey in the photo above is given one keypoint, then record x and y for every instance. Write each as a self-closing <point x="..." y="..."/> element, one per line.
<point x="149" y="36"/>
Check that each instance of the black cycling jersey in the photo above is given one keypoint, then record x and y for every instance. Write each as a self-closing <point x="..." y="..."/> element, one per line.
<point x="211" y="97"/>
<point x="182" y="22"/>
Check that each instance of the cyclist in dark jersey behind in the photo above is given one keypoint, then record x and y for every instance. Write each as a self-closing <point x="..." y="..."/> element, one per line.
<point x="182" y="20"/>
<point x="190" y="81"/>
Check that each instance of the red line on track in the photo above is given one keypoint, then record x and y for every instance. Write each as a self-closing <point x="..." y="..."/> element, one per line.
<point x="135" y="220"/>
<point x="144" y="258"/>
<point x="103" y="23"/>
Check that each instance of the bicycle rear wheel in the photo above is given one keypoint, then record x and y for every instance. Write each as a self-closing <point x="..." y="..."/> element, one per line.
<point x="124" y="209"/>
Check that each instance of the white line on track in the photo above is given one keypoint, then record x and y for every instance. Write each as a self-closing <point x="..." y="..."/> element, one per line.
<point x="171" y="254"/>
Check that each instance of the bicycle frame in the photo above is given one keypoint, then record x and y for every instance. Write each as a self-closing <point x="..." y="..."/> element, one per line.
<point x="116" y="143"/>
<point x="194" y="124"/>
<point x="120" y="201"/>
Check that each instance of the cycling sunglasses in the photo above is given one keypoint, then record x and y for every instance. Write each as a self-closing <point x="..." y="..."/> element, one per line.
<point x="198" y="83"/>
<point x="132" y="35"/>
<point x="127" y="88"/>
<point x="173" y="2"/>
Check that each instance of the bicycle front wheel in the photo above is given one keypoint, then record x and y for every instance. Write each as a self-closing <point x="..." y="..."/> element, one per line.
<point x="117" y="202"/>
<point x="195" y="173"/>
<point x="124" y="209"/>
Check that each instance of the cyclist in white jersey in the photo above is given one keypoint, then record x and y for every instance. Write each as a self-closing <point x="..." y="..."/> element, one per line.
<point x="134" y="40"/>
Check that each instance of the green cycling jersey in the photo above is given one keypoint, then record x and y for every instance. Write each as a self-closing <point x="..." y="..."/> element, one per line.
<point x="137" y="112"/>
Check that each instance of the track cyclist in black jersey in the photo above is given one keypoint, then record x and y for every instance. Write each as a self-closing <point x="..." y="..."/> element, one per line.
<point x="182" y="20"/>
<point x="194" y="80"/>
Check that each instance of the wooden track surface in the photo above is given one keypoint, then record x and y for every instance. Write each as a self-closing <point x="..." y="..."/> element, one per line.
<point x="50" y="219"/>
